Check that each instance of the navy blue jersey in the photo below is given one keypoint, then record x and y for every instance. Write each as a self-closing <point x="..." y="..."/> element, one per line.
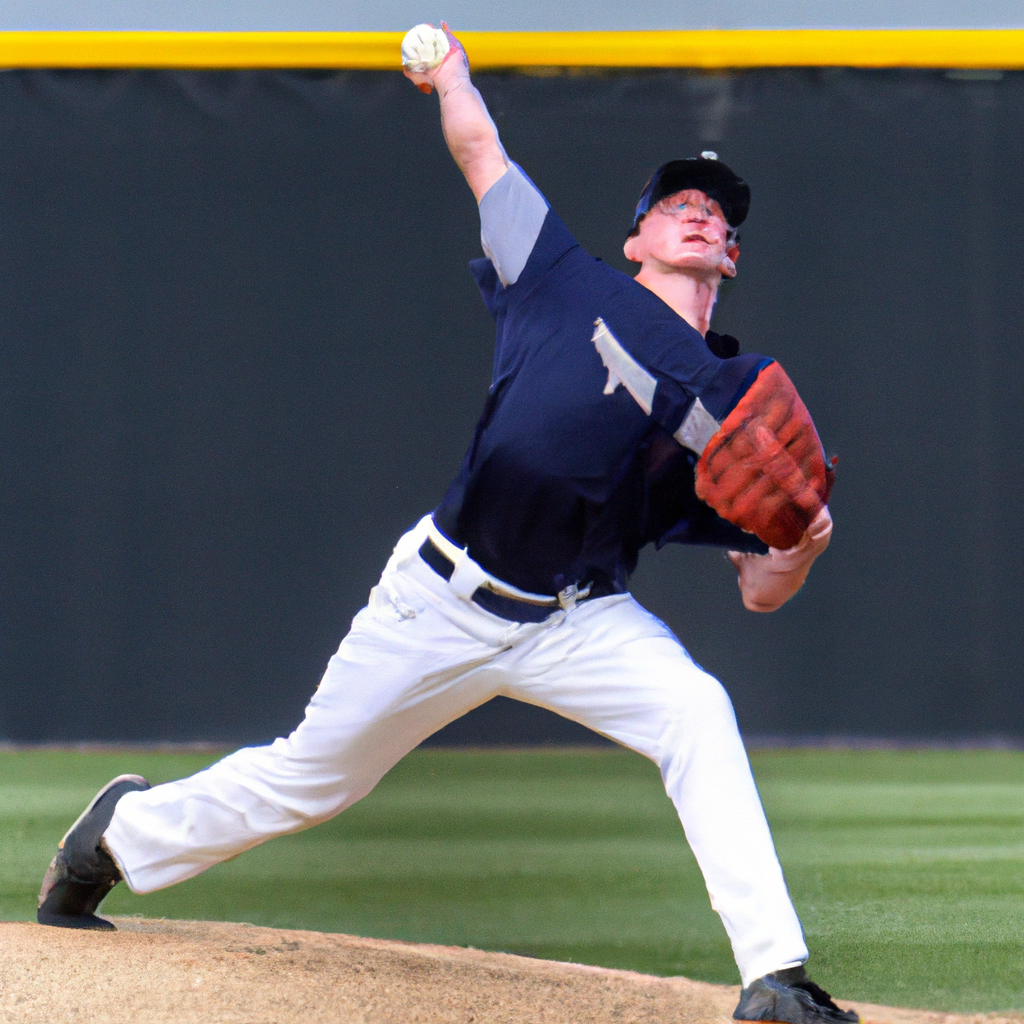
<point x="565" y="482"/>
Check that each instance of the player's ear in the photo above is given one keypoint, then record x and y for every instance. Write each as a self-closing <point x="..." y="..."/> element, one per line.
<point x="728" y="264"/>
<point x="631" y="249"/>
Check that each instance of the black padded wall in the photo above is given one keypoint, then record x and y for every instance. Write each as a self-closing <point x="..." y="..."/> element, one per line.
<point x="241" y="353"/>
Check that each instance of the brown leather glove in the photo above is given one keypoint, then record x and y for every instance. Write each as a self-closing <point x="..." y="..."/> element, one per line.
<point x="764" y="469"/>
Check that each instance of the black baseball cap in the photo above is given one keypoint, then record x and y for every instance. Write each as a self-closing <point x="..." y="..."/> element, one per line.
<point x="705" y="172"/>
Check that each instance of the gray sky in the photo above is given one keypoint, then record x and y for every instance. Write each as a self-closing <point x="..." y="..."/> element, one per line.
<point x="482" y="15"/>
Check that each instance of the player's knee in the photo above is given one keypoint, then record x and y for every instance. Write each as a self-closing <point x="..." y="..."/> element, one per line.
<point x="702" y="708"/>
<point x="703" y="726"/>
<point x="715" y="698"/>
<point x="704" y="698"/>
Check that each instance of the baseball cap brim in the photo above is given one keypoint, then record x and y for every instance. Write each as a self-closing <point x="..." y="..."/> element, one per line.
<point x="710" y="176"/>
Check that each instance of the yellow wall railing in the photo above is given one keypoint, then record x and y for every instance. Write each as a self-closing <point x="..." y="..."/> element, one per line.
<point x="927" y="48"/>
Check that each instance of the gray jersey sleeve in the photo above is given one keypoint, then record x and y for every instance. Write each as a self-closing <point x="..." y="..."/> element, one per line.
<point x="512" y="212"/>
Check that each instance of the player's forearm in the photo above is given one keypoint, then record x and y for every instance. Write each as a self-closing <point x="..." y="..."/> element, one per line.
<point x="470" y="133"/>
<point x="434" y="59"/>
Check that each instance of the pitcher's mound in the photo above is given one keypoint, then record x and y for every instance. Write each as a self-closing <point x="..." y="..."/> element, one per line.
<point x="213" y="973"/>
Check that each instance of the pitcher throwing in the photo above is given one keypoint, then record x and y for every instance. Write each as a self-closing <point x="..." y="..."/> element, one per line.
<point x="615" y="419"/>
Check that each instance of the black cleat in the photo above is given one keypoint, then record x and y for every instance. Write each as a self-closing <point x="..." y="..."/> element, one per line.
<point x="791" y="997"/>
<point x="82" y="873"/>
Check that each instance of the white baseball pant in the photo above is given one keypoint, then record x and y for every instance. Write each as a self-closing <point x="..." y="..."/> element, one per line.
<point x="418" y="657"/>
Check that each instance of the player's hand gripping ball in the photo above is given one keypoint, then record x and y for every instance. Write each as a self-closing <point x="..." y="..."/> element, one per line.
<point x="426" y="50"/>
<point x="423" y="48"/>
<point x="764" y="469"/>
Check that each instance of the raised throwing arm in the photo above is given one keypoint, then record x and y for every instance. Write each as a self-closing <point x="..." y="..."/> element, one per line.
<point x="434" y="59"/>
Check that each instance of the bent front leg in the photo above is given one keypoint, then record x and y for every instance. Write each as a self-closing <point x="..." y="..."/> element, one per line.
<point x="620" y="672"/>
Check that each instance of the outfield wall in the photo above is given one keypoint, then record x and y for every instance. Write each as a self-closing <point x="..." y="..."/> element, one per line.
<point x="241" y="352"/>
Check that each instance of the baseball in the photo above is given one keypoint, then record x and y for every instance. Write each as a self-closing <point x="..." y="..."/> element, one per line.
<point x="423" y="48"/>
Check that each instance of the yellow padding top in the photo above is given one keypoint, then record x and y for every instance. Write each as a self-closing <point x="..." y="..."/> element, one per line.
<point x="925" y="48"/>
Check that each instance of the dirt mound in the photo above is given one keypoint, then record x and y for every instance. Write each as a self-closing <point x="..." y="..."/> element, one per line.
<point x="212" y="973"/>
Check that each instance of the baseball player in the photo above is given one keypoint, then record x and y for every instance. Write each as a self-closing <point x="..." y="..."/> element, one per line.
<point x="615" y="418"/>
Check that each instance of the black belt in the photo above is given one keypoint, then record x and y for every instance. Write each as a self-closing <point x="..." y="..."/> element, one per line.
<point x="511" y="608"/>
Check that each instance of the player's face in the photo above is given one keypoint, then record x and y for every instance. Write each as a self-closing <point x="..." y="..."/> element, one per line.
<point x="687" y="232"/>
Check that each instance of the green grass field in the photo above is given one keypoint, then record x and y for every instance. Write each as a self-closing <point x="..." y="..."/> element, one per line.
<point x="906" y="867"/>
